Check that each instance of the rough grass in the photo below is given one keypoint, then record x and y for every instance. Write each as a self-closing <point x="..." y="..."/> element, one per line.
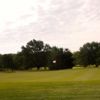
<point x="76" y="84"/>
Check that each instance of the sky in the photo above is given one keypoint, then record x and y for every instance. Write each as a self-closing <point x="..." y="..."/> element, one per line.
<point x="64" y="23"/>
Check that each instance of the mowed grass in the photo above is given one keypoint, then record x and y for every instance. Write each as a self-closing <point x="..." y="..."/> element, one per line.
<point x="75" y="84"/>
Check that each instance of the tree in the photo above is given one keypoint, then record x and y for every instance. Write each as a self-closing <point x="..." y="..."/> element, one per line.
<point x="41" y="59"/>
<point x="98" y="56"/>
<point x="61" y="59"/>
<point x="35" y="54"/>
<point x="53" y="56"/>
<point x="1" y="67"/>
<point x="19" y="61"/>
<point x="7" y="61"/>
<point x="28" y="58"/>
<point x="35" y="46"/>
<point x="76" y="57"/>
<point x="67" y="59"/>
<point x="89" y="53"/>
<point x="47" y="48"/>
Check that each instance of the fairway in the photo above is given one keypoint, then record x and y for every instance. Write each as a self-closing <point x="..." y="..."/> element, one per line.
<point x="75" y="84"/>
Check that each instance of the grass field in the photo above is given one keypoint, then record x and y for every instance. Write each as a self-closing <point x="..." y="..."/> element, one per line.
<point x="76" y="84"/>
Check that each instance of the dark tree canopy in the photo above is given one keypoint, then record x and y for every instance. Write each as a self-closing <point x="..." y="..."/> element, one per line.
<point x="90" y="54"/>
<point x="61" y="59"/>
<point x="36" y="54"/>
<point x="35" y="46"/>
<point x="7" y="61"/>
<point x="76" y="56"/>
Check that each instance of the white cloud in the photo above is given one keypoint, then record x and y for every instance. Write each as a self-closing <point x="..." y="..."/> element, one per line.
<point x="65" y="23"/>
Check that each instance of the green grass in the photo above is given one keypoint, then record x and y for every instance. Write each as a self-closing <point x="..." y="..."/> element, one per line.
<point x="76" y="84"/>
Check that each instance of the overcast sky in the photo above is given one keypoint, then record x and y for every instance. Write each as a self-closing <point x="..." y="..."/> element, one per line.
<point x="65" y="23"/>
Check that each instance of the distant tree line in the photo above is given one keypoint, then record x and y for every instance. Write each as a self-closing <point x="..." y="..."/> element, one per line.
<point x="37" y="55"/>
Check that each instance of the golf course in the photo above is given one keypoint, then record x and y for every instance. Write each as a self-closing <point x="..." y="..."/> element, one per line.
<point x="71" y="84"/>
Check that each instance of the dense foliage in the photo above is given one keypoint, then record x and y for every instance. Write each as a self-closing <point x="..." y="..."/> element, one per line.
<point x="89" y="54"/>
<point x="38" y="55"/>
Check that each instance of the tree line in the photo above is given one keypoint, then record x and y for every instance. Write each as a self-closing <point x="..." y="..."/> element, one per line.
<point x="37" y="54"/>
<point x="89" y="54"/>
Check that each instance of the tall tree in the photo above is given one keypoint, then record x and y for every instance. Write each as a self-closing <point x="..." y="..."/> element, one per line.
<point x="89" y="53"/>
<point x="35" y="46"/>
<point x="61" y="59"/>
<point x="19" y="61"/>
<point x="35" y="54"/>
<point x="7" y="61"/>
<point x="76" y="57"/>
